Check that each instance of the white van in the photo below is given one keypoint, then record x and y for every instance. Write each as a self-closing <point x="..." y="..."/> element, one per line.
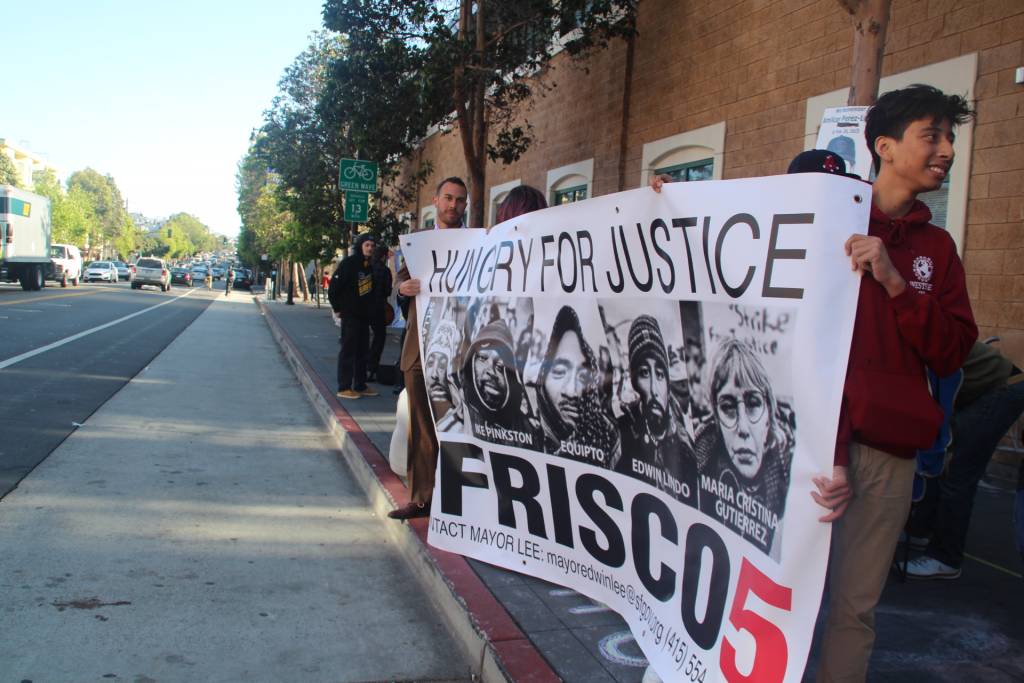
<point x="67" y="264"/>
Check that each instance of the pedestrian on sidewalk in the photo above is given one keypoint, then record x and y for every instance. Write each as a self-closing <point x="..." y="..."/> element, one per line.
<point x="383" y="313"/>
<point x="352" y="298"/>
<point x="450" y="202"/>
<point x="913" y="312"/>
<point x="990" y="400"/>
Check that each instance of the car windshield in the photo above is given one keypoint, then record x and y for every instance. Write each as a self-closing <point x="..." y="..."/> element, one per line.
<point x="57" y="252"/>
<point x="99" y="264"/>
<point x="148" y="263"/>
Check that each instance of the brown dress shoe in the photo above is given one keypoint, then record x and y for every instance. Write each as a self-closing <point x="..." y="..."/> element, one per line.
<point x="410" y="511"/>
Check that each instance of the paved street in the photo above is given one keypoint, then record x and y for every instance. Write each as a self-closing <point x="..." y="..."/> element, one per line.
<point x="198" y="526"/>
<point x="43" y="396"/>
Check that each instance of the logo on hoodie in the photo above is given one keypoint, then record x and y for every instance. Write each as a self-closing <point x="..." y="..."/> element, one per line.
<point x="923" y="268"/>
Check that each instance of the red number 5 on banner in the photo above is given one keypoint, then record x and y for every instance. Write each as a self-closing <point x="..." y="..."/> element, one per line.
<point x="770" y="650"/>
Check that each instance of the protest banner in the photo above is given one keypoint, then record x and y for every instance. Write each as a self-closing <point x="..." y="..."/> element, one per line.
<point x="632" y="395"/>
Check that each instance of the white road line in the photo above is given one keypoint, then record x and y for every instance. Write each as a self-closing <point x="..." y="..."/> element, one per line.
<point x="67" y="340"/>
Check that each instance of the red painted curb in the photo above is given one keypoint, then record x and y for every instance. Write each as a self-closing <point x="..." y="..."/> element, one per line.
<point x="519" y="657"/>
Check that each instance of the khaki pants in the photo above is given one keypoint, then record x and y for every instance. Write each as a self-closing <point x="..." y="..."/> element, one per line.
<point x="863" y="542"/>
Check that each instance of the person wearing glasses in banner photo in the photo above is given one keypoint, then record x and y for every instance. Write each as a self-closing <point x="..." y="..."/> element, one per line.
<point x="746" y="452"/>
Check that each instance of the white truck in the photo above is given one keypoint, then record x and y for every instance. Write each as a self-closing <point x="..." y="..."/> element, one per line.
<point x="24" y="238"/>
<point x="67" y="264"/>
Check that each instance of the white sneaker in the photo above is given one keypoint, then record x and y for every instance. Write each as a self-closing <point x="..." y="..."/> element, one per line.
<point x="925" y="567"/>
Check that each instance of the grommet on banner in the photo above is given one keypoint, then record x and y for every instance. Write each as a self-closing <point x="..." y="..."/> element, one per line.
<point x="857" y="198"/>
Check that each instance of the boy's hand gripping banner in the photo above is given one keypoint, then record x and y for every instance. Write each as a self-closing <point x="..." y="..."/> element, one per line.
<point x="632" y="395"/>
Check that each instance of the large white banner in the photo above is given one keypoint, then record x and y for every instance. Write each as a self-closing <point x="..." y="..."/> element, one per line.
<point x="632" y="396"/>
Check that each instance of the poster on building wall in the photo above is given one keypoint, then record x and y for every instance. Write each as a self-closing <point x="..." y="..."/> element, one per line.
<point x="632" y="395"/>
<point x="842" y="132"/>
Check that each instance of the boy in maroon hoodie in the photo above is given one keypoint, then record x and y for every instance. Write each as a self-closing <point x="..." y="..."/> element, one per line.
<point x="913" y="312"/>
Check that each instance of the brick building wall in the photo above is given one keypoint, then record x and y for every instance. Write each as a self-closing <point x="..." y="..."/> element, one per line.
<point x="753" y="64"/>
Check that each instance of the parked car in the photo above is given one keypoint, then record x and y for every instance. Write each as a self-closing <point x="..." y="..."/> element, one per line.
<point x="181" y="276"/>
<point x="243" y="280"/>
<point x="101" y="270"/>
<point x="151" y="271"/>
<point x="67" y="264"/>
<point x="123" y="273"/>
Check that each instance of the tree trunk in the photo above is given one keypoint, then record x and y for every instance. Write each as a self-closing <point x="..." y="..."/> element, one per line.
<point x="870" y="23"/>
<point x="627" y="94"/>
<point x="479" y="174"/>
<point x="318" y="273"/>
<point x="470" y="111"/>
<point x="300" y="279"/>
<point x="286" y="281"/>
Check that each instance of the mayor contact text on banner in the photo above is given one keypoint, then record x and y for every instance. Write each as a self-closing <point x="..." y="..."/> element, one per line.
<point x="632" y="395"/>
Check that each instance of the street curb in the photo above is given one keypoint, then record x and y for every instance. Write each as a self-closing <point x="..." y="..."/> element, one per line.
<point x="483" y="628"/>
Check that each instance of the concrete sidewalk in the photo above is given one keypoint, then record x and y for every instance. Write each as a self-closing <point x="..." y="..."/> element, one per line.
<point x="200" y="527"/>
<point x="918" y="638"/>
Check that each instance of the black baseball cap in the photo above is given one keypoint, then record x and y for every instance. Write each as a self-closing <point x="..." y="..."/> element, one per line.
<point x="820" y="161"/>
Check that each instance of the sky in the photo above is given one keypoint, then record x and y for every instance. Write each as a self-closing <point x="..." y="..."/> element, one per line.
<point x="160" y="95"/>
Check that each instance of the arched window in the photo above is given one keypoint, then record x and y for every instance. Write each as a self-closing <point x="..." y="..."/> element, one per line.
<point x="498" y="193"/>
<point x="572" y="183"/>
<point x="690" y="156"/>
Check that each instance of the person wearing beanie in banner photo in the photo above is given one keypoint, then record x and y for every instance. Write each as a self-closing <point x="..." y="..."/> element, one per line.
<point x="351" y="294"/>
<point x="655" y="448"/>
<point x="574" y="422"/>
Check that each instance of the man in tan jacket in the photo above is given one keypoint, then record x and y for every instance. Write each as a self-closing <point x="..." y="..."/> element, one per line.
<point x="450" y="202"/>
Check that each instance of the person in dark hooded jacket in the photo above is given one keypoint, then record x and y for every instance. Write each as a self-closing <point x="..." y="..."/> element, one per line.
<point x="353" y="298"/>
<point x="575" y="424"/>
<point x="495" y="400"/>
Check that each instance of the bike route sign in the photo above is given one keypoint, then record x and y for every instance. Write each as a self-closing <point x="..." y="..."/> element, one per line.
<point x="357" y="205"/>
<point x="358" y="175"/>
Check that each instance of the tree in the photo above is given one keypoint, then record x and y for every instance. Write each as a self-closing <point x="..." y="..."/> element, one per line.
<point x="186" y="235"/>
<point x="263" y="216"/>
<point x="107" y="203"/>
<point x="8" y="171"/>
<point x="870" y="24"/>
<point x="484" y="60"/>
<point x="71" y="213"/>
<point x="375" y="95"/>
<point x="303" y="151"/>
